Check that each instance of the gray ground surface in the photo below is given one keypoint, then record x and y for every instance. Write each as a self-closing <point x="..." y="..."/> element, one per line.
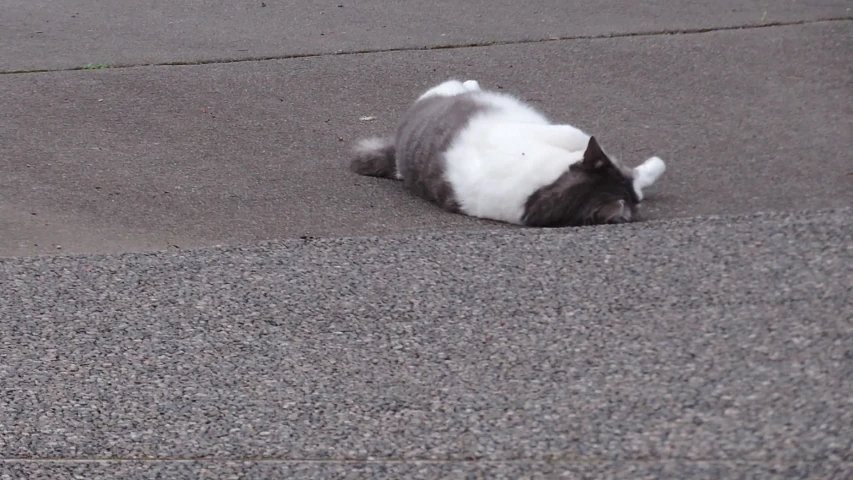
<point x="688" y="347"/>
<point x="39" y="34"/>
<point x="431" y="470"/>
<point x="175" y="157"/>
<point x="433" y="346"/>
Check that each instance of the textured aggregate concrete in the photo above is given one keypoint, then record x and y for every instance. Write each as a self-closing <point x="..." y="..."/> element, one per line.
<point x="650" y="470"/>
<point x="695" y="347"/>
<point x="40" y="34"/>
<point x="174" y="157"/>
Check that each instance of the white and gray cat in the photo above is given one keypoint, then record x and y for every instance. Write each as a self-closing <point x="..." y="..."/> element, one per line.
<point x="487" y="154"/>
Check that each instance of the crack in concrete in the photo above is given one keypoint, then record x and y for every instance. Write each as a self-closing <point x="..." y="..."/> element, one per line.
<point x="482" y="44"/>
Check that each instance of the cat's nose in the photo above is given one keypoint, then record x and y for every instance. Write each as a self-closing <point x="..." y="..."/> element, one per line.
<point x="622" y="214"/>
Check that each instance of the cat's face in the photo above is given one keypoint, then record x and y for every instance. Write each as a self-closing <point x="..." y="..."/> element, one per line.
<point x="609" y="191"/>
<point x="612" y="207"/>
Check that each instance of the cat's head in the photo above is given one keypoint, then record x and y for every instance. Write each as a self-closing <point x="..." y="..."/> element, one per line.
<point x="606" y="187"/>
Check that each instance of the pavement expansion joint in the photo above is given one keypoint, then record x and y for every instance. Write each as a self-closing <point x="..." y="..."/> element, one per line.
<point x="650" y="33"/>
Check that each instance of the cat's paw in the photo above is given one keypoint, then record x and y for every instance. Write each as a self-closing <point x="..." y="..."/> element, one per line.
<point x="471" y="85"/>
<point x="648" y="172"/>
<point x="654" y="168"/>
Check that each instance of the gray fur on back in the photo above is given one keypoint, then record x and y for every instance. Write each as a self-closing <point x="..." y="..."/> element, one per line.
<point x="425" y="134"/>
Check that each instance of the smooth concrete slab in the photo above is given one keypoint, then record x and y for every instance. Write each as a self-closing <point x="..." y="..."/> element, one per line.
<point x="41" y="34"/>
<point x="183" y="156"/>
<point x="685" y="348"/>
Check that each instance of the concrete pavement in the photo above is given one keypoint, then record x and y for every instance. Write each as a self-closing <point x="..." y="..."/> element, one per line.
<point x="434" y="345"/>
<point x="178" y="157"/>
<point x="37" y="34"/>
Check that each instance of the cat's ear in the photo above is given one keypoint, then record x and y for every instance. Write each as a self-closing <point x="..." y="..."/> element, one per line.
<point x="594" y="157"/>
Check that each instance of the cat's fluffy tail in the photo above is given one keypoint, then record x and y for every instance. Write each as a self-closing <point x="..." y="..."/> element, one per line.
<point x="374" y="157"/>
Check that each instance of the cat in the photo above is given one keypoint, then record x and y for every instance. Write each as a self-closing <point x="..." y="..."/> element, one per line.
<point x="487" y="154"/>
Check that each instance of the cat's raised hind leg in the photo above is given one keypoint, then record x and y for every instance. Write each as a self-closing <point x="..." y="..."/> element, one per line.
<point x="445" y="89"/>
<point x="471" y="85"/>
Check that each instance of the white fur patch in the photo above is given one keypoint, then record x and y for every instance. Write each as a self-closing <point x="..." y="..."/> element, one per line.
<point x="502" y="156"/>
<point x="647" y="173"/>
<point x="471" y="85"/>
<point x="445" y="89"/>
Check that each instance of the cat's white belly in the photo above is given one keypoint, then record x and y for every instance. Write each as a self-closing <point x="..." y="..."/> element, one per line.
<point x="494" y="167"/>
